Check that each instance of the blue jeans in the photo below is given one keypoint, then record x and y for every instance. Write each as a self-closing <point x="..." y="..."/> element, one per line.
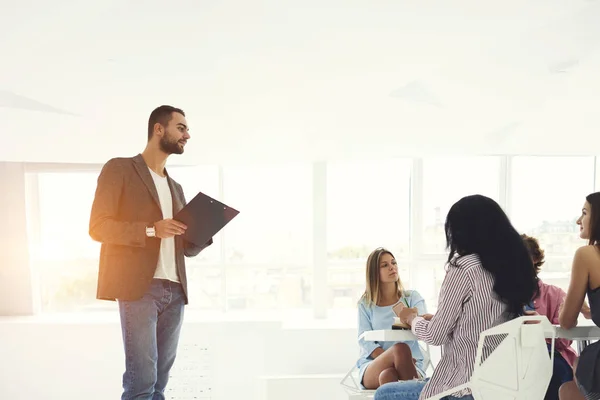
<point x="402" y="390"/>
<point x="151" y="327"/>
<point x="407" y="390"/>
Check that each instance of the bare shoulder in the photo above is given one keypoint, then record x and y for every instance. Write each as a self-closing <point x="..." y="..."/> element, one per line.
<point x="588" y="252"/>
<point x="585" y="257"/>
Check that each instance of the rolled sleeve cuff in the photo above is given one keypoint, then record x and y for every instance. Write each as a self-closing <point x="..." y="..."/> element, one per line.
<point x="415" y="322"/>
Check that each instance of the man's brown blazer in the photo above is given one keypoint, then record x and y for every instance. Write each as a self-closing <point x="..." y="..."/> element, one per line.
<point x="126" y="202"/>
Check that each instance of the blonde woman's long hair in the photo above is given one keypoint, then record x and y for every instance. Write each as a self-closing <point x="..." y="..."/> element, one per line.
<point x="372" y="293"/>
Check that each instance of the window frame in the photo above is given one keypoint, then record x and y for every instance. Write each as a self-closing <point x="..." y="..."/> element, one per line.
<point x="320" y="287"/>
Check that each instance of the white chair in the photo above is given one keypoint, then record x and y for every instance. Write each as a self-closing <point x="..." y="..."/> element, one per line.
<point x="352" y="386"/>
<point x="518" y="368"/>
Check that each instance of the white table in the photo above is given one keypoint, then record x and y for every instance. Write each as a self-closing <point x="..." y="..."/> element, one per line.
<point x="582" y="334"/>
<point x="388" y="335"/>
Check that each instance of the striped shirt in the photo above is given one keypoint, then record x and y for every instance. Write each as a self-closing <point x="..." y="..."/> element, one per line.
<point x="467" y="306"/>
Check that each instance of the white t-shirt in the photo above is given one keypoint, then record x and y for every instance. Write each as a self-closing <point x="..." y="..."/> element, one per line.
<point x="167" y="267"/>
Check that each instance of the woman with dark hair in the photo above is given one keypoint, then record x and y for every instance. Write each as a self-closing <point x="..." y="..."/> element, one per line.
<point x="585" y="279"/>
<point x="489" y="280"/>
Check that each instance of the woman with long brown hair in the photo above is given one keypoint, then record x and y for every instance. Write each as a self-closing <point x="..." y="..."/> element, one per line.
<point x="585" y="281"/>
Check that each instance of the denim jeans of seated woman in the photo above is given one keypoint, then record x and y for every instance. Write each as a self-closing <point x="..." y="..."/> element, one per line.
<point x="407" y="390"/>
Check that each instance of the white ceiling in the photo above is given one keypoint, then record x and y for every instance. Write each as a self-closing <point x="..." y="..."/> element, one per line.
<point x="282" y="79"/>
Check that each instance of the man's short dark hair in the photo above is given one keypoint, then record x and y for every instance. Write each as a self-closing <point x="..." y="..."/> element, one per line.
<point x="161" y="115"/>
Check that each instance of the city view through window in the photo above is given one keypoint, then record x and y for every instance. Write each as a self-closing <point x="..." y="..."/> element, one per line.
<point x="267" y="259"/>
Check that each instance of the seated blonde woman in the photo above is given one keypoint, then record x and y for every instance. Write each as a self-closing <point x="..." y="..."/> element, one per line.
<point x="384" y="297"/>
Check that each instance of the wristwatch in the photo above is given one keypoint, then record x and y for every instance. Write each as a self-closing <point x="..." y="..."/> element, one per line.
<point x="150" y="231"/>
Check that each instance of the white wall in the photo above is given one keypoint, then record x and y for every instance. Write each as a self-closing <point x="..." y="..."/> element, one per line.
<point x="15" y="298"/>
<point x="342" y="80"/>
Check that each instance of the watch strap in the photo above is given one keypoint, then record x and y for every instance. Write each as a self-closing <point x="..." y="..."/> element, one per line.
<point x="150" y="231"/>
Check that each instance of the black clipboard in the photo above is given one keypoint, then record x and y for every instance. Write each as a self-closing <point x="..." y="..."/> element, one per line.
<point x="204" y="217"/>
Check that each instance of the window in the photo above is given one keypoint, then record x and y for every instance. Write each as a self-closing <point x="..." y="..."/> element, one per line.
<point x="547" y="194"/>
<point x="368" y="206"/>
<point x="447" y="180"/>
<point x="67" y="258"/>
<point x="268" y="246"/>
<point x="263" y="259"/>
<point x="428" y="279"/>
<point x="205" y="270"/>
<point x="62" y="251"/>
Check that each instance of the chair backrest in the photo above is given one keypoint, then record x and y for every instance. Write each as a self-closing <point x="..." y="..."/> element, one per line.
<point x="513" y="361"/>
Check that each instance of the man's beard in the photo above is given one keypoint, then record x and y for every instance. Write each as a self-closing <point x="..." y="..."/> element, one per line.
<point x="169" y="146"/>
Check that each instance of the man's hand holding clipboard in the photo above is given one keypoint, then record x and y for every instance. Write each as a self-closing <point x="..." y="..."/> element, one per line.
<point x="204" y="218"/>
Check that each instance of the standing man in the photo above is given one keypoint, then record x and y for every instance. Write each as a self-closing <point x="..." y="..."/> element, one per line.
<point x="142" y="261"/>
